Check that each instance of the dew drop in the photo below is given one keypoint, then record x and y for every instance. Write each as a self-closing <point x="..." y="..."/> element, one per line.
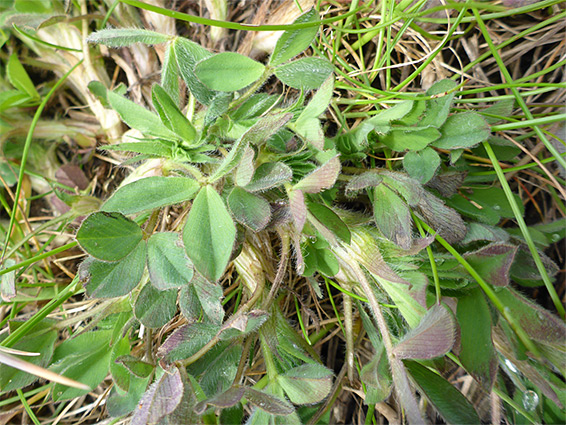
<point x="496" y="207"/>
<point x="511" y="366"/>
<point x="530" y="400"/>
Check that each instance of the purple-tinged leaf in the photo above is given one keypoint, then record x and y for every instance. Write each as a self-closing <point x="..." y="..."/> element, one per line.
<point x="186" y="341"/>
<point x="446" y="221"/>
<point x="269" y="403"/>
<point x="493" y="262"/>
<point x="210" y="298"/>
<point x="269" y="175"/>
<point x="243" y="324"/>
<point x="71" y="175"/>
<point x="433" y="337"/>
<point x="160" y="399"/>
<point x="228" y="398"/>
<point x="296" y="241"/>
<point x="306" y="384"/>
<point x="320" y="179"/>
<point x="448" y="183"/>
<point x="476" y="347"/>
<point x="363" y="181"/>
<point x="539" y="324"/>
<point x="298" y="209"/>
<point x="251" y="210"/>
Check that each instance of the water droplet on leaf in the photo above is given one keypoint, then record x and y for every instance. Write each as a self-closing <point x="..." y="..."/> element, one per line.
<point x="530" y="400"/>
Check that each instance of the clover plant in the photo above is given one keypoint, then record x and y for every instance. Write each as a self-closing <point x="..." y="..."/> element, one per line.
<point x="228" y="168"/>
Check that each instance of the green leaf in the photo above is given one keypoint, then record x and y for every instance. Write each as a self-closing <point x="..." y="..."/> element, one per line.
<point x="269" y="175"/>
<point x="392" y="216"/>
<point x="293" y="42"/>
<point x="171" y="115"/>
<point x="228" y="71"/>
<point x="305" y="73"/>
<point x="170" y="73"/>
<point x="85" y="358"/>
<point x="380" y="123"/>
<point x="154" y="148"/>
<point x="120" y="375"/>
<point x="411" y="138"/>
<point x="308" y="123"/>
<point x="218" y="367"/>
<point x="258" y="133"/>
<point x="437" y="109"/>
<point x="167" y="262"/>
<point x="155" y="308"/>
<point x="377" y="374"/>
<point x="150" y="193"/>
<point x="421" y="165"/>
<point x="321" y="260"/>
<point x="136" y="116"/>
<point x="110" y="280"/>
<point x="108" y="236"/>
<point x="486" y="204"/>
<point x="501" y="109"/>
<point x="126" y="37"/>
<point x="306" y="384"/>
<point x="136" y="366"/>
<point x="433" y="337"/>
<point x="209" y="234"/>
<point x="41" y="340"/>
<point x="19" y="78"/>
<point x="477" y="353"/>
<point x="119" y="403"/>
<point x="331" y="220"/>
<point x="463" y="130"/>
<point x="188" y="54"/>
<point x="248" y="209"/>
<point x="448" y="401"/>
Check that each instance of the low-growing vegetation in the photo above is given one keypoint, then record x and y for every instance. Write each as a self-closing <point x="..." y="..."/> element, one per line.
<point x="363" y="225"/>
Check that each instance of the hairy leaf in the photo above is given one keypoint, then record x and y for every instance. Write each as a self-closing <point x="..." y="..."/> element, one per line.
<point x="433" y="337"/>
<point x="171" y="115"/>
<point x="110" y="280"/>
<point x="209" y="234"/>
<point x="438" y="108"/>
<point x="305" y="73"/>
<point x="188" y="54"/>
<point x="108" y="236"/>
<point x="269" y="175"/>
<point x="155" y="308"/>
<point x="306" y="384"/>
<point x="162" y="397"/>
<point x="421" y="165"/>
<point x="150" y="193"/>
<point x="168" y="265"/>
<point x="411" y="138"/>
<point x="298" y="209"/>
<point x="136" y="116"/>
<point x="248" y="209"/>
<point x="126" y="37"/>
<point x="392" y="216"/>
<point x="320" y="179"/>
<point x="363" y="181"/>
<point x="463" y="130"/>
<point x="493" y="262"/>
<point x="228" y="71"/>
<point x="293" y="42"/>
